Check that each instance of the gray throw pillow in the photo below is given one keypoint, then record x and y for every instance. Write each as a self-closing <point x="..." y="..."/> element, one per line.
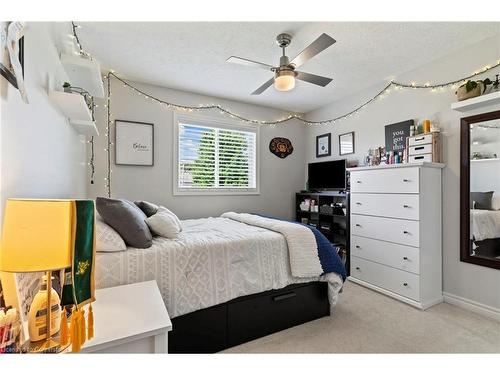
<point x="147" y="207"/>
<point x="127" y="219"/>
<point x="481" y="200"/>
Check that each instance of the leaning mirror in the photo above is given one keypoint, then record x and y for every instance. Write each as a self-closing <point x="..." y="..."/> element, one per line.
<point x="480" y="189"/>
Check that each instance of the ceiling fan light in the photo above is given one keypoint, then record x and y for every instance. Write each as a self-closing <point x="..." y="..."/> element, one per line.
<point x="284" y="80"/>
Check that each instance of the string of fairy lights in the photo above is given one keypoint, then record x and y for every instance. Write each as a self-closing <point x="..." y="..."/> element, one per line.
<point x="388" y="88"/>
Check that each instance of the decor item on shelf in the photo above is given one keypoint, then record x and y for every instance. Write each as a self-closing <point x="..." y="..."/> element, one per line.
<point x="426" y="126"/>
<point x="326" y="209"/>
<point x="323" y="145"/>
<point x="285" y="74"/>
<point x="66" y="87"/>
<point x="134" y="143"/>
<point x="12" y="54"/>
<point x="10" y="329"/>
<point x="305" y="205"/>
<point x="395" y="135"/>
<point x="53" y="235"/>
<point x="346" y="143"/>
<point x="495" y="85"/>
<point x="281" y="147"/>
<point x="471" y="89"/>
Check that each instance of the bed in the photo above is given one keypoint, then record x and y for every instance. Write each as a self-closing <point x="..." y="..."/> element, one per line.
<point x="485" y="232"/>
<point x="219" y="265"/>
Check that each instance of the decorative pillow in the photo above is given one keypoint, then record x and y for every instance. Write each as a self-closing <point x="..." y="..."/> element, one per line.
<point x="107" y="239"/>
<point x="481" y="200"/>
<point x="148" y="208"/>
<point x="163" y="224"/>
<point x="495" y="203"/>
<point x="127" y="219"/>
<point x="177" y="221"/>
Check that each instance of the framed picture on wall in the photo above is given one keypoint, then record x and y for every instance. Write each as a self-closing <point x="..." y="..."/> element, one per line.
<point x="323" y="145"/>
<point x="346" y="143"/>
<point x="134" y="143"/>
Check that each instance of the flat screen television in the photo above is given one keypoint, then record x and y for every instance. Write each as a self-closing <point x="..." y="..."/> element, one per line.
<point x="328" y="175"/>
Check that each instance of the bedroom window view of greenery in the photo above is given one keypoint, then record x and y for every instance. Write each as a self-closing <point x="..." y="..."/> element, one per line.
<point x="215" y="159"/>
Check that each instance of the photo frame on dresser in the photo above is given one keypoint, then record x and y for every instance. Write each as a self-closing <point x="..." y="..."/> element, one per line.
<point x="134" y="143"/>
<point x="323" y="145"/>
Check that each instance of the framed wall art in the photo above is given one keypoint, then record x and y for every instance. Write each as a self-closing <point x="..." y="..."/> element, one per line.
<point x="346" y="143"/>
<point x="134" y="143"/>
<point x="323" y="145"/>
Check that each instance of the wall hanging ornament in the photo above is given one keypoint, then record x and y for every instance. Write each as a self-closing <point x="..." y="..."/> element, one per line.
<point x="281" y="147"/>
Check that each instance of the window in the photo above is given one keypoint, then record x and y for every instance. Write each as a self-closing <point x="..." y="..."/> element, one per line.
<point x="215" y="158"/>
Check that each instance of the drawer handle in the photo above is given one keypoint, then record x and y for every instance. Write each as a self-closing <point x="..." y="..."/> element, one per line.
<point x="405" y="284"/>
<point x="358" y="268"/>
<point x="284" y="296"/>
<point x="358" y="247"/>
<point x="406" y="206"/>
<point x="405" y="258"/>
<point x="358" y="182"/>
<point x="419" y="148"/>
<point x="358" y="203"/>
<point x="419" y="139"/>
<point x="406" y="232"/>
<point x="418" y="157"/>
<point x="406" y="180"/>
<point x="358" y="225"/>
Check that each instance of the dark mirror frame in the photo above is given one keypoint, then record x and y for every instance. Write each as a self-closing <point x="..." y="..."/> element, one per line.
<point x="465" y="190"/>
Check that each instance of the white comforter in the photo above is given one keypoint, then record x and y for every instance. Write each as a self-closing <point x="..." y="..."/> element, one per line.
<point x="213" y="261"/>
<point x="485" y="224"/>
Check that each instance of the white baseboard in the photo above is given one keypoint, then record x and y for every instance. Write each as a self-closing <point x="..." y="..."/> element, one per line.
<point x="476" y="307"/>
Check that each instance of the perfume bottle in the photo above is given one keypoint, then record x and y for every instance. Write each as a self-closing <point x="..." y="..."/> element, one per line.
<point x="37" y="315"/>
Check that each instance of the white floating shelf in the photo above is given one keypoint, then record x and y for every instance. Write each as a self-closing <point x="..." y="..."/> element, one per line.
<point x="73" y="107"/>
<point x="477" y="102"/>
<point x="484" y="160"/>
<point x="85" y="73"/>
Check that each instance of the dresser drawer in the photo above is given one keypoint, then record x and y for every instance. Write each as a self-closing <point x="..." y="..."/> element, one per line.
<point x="405" y="232"/>
<point x="419" y="150"/>
<point x="405" y="258"/>
<point x="401" y="282"/>
<point x="417" y="158"/>
<point x="403" y="206"/>
<point x="420" y="140"/>
<point x="397" y="180"/>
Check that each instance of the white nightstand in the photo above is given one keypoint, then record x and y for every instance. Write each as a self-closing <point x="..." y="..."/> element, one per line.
<point x="129" y="319"/>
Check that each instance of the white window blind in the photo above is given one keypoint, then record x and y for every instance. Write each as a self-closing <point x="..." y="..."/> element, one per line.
<point x="212" y="158"/>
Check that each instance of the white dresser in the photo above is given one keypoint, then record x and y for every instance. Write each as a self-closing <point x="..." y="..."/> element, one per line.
<point x="396" y="231"/>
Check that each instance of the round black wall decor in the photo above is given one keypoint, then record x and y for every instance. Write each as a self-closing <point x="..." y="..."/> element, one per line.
<point x="281" y="147"/>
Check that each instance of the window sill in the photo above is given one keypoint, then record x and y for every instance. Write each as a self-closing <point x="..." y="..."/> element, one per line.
<point x="192" y="192"/>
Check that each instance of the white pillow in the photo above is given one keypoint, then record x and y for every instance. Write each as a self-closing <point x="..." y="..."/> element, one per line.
<point x="163" y="223"/>
<point x="177" y="221"/>
<point x="107" y="239"/>
<point x="495" y="203"/>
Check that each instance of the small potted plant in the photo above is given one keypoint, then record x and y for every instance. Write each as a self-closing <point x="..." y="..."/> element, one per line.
<point x="471" y="89"/>
<point x="67" y="87"/>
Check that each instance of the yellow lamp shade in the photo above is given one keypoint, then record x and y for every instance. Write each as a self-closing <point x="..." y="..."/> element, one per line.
<point x="37" y="235"/>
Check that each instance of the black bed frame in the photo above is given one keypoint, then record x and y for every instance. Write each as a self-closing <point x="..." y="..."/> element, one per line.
<point x="249" y="317"/>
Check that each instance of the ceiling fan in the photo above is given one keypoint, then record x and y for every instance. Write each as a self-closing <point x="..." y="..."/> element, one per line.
<point x="285" y="73"/>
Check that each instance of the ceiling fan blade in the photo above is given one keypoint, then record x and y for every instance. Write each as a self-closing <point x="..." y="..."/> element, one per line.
<point x="251" y="63"/>
<point x="313" y="78"/>
<point x="323" y="42"/>
<point x="264" y="87"/>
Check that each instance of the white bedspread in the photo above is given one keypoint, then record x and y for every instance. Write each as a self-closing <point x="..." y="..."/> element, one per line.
<point x="213" y="261"/>
<point x="485" y="224"/>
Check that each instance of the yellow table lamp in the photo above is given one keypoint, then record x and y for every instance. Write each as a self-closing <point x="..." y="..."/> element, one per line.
<point x="38" y="236"/>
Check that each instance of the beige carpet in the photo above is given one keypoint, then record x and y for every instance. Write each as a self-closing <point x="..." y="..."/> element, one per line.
<point x="368" y="322"/>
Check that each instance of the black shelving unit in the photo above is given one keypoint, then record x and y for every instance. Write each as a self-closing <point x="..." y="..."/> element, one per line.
<point x="332" y="218"/>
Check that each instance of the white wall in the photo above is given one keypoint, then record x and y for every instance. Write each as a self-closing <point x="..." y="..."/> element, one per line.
<point x="41" y="154"/>
<point x="279" y="178"/>
<point x="468" y="281"/>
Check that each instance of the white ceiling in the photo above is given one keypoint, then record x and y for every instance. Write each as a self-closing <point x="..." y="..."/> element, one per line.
<point x="191" y="56"/>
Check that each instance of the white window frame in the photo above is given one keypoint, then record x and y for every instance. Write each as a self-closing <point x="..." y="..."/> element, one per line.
<point x="222" y="124"/>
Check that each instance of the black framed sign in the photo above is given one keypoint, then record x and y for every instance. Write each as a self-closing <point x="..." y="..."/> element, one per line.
<point x="134" y="143"/>
<point x="395" y="135"/>
<point x="323" y="145"/>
